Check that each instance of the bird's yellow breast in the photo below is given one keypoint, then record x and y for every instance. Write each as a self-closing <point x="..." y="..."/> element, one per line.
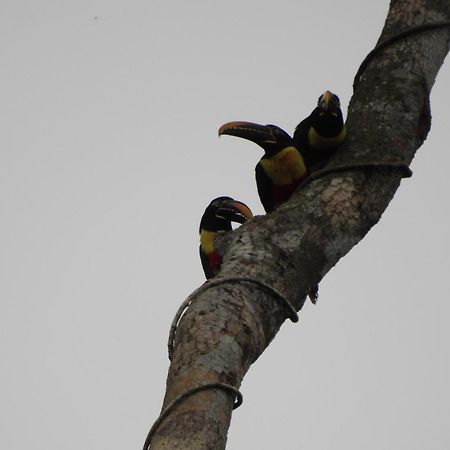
<point x="316" y="140"/>
<point x="286" y="167"/>
<point x="207" y="241"/>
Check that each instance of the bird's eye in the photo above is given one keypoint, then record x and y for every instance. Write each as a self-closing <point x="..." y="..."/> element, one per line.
<point x="336" y="100"/>
<point x="320" y="100"/>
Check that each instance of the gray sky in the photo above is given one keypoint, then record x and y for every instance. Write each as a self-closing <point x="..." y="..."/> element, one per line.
<point x="109" y="155"/>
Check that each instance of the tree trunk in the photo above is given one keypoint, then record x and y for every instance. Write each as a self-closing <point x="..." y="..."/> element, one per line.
<point x="229" y="325"/>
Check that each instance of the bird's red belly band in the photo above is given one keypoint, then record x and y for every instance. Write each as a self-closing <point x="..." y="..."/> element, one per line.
<point x="215" y="261"/>
<point x="282" y="194"/>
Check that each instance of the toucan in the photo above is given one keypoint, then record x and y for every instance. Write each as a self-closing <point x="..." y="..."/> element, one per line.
<point x="218" y="217"/>
<point x="282" y="167"/>
<point x="321" y="132"/>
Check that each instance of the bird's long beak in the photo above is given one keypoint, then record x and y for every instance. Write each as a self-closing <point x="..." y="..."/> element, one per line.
<point x="234" y="211"/>
<point x="259" y="134"/>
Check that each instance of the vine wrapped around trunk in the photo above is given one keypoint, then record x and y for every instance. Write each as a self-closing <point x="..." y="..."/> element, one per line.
<point x="229" y="325"/>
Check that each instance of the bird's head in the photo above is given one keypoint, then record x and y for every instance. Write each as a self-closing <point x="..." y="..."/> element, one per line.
<point x="329" y="103"/>
<point x="221" y="212"/>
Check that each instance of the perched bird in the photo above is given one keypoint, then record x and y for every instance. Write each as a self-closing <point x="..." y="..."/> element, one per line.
<point x="218" y="217"/>
<point x="321" y="132"/>
<point x="280" y="170"/>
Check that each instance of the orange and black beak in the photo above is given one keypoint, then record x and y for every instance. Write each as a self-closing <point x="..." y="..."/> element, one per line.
<point x="259" y="134"/>
<point x="234" y="211"/>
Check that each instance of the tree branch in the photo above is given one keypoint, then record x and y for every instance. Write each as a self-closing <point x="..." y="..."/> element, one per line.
<point x="229" y="325"/>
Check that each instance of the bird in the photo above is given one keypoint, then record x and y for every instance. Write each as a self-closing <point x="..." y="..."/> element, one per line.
<point x="280" y="170"/>
<point x="321" y="132"/>
<point x="217" y="218"/>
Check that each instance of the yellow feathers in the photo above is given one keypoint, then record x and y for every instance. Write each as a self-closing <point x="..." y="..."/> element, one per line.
<point x="286" y="167"/>
<point x="315" y="140"/>
<point x="207" y="241"/>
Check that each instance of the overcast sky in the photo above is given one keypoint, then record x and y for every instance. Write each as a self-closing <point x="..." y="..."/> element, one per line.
<point x="108" y="156"/>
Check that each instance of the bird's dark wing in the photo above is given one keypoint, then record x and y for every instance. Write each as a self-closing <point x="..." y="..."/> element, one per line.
<point x="205" y="264"/>
<point x="264" y="185"/>
<point x="301" y="141"/>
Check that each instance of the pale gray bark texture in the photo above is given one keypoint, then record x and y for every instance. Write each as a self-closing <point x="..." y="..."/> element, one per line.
<point x="229" y="326"/>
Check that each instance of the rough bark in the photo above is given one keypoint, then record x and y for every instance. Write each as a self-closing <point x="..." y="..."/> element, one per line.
<point x="229" y="326"/>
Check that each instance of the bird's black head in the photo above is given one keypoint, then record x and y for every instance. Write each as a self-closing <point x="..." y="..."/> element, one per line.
<point x="327" y="117"/>
<point x="329" y="103"/>
<point x="221" y="212"/>
<point x="269" y="137"/>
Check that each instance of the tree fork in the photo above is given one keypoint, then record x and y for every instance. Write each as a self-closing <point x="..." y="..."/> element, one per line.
<point x="229" y="325"/>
